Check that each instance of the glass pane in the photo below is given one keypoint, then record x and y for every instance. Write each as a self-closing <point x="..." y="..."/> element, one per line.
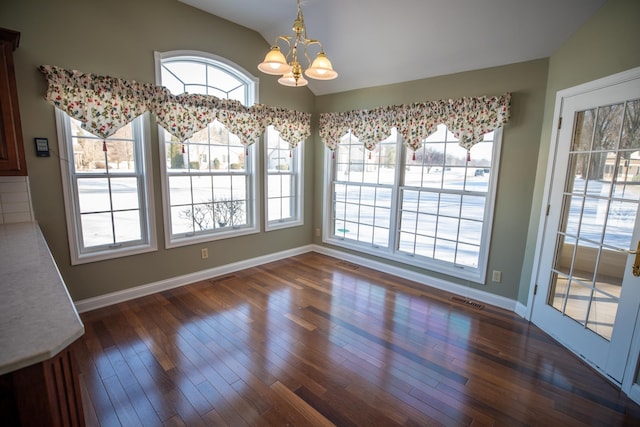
<point x="274" y="186"/>
<point x="181" y="220"/>
<point x="96" y="229"/>
<point x="593" y="219"/>
<point x="608" y="126"/>
<point x="448" y="228"/>
<point x="584" y="262"/>
<point x="366" y="214"/>
<point x="120" y="156"/>
<point x="558" y="291"/>
<point x="619" y="225"/>
<point x="221" y="187"/>
<point x="239" y="187"/>
<point x="176" y="159"/>
<point x="445" y="250"/>
<point x="383" y="218"/>
<point x="127" y="226"/>
<point x="473" y="207"/>
<point x="470" y="232"/>
<point x="202" y="189"/>
<point x="180" y="190"/>
<point x="467" y="255"/>
<point x="578" y="299"/>
<point x="88" y="155"/>
<point x="407" y="241"/>
<point x="124" y="193"/>
<point x="408" y="222"/>
<point x="627" y="176"/>
<point x="427" y="224"/>
<point x="189" y="71"/>
<point x="93" y="195"/>
<point x="410" y="200"/>
<point x="631" y="126"/>
<point x="381" y="236"/>
<point x="577" y="174"/>
<point x="583" y="132"/>
<point x="425" y="246"/>
<point x="602" y="315"/>
<point x="365" y="233"/>
<point x="450" y="205"/>
<point x="274" y="211"/>
<point x="575" y="210"/>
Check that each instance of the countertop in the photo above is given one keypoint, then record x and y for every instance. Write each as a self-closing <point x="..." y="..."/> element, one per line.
<point x="37" y="316"/>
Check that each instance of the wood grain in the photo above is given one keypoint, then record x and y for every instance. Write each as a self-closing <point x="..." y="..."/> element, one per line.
<point x="312" y="340"/>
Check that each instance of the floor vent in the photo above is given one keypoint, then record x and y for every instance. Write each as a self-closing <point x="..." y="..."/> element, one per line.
<point x="348" y="265"/>
<point x="467" y="302"/>
<point x="223" y="278"/>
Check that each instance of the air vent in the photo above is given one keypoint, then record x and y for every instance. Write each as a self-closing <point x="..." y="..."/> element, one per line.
<point x="467" y="302"/>
<point x="223" y="278"/>
<point x="348" y="265"/>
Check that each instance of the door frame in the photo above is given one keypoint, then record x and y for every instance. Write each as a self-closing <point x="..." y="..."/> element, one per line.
<point x="628" y="386"/>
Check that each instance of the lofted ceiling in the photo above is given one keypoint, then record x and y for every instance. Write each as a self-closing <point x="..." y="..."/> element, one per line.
<point x="378" y="42"/>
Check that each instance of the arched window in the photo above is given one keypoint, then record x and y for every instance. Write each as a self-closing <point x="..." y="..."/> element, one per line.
<point x="209" y="180"/>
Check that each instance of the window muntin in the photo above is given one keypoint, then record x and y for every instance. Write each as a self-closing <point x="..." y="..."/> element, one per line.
<point x="434" y="206"/>
<point x="208" y="180"/>
<point x="106" y="192"/>
<point x="284" y="182"/>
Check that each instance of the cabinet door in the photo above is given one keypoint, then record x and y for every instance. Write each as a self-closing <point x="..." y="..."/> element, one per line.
<point x="12" y="161"/>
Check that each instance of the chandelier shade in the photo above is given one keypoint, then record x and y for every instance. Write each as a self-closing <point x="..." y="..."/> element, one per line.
<point x="274" y="63"/>
<point x="288" y="66"/>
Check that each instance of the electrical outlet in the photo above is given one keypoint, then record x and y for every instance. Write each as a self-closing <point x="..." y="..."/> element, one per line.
<point x="204" y="253"/>
<point x="317" y="232"/>
<point x="497" y="276"/>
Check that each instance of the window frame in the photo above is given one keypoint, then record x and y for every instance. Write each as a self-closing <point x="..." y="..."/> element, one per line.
<point x="392" y="252"/>
<point x="297" y="204"/>
<point x="252" y="166"/>
<point x="148" y="241"/>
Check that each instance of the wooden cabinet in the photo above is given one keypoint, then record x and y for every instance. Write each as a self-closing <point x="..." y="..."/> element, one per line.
<point x="12" y="160"/>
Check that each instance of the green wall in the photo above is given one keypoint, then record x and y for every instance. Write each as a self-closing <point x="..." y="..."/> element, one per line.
<point x="118" y="38"/>
<point x="607" y="44"/>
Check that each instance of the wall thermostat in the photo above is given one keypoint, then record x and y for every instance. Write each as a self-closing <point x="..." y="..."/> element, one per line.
<point x="42" y="147"/>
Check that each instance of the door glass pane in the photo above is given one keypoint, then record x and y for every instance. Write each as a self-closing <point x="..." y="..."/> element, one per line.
<point x="587" y="273"/>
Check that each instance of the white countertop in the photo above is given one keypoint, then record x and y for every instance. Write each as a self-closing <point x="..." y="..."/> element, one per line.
<point x="37" y="316"/>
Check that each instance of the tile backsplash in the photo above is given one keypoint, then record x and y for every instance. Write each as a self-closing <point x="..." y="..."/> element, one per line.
<point x="15" y="200"/>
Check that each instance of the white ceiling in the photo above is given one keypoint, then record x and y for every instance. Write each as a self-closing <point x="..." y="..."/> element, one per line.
<point x="377" y="42"/>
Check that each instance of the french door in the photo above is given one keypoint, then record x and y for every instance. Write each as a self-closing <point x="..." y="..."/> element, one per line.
<point x="588" y="293"/>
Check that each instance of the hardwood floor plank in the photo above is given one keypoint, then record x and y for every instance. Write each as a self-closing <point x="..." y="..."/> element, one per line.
<point x="312" y="416"/>
<point x="312" y="340"/>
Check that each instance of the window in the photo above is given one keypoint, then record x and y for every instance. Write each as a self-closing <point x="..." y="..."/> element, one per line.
<point x="284" y="182"/>
<point x="432" y="208"/>
<point x="106" y="193"/>
<point x="208" y="180"/>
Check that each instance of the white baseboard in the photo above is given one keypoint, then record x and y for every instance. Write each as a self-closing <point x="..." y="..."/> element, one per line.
<point x="151" y="288"/>
<point x="522" y="310"/>
<point x="474" y="294"/>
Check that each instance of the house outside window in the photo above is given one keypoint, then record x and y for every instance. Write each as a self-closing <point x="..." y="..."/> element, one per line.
<point x="106" y="193"/>
<point x="283" y="182"/>
<point x="431" y="208"/>
<point x="209" y="180"/>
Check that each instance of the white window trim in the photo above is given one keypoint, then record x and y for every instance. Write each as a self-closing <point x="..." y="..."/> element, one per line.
<point x="253" y="199"/>
<point x="71" y="205"/>
<point x="299" y="219"/>
<point x="476" y="275"/>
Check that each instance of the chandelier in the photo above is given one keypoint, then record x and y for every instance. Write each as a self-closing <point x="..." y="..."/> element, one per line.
<point x="276" y="63"/>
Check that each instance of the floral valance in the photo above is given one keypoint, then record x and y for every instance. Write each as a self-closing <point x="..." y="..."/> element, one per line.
<point x="468" y="118"/>
<point x="104" y="104"/>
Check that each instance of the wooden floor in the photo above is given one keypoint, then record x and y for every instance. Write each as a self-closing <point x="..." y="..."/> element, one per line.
<point x="315" y="341"/>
